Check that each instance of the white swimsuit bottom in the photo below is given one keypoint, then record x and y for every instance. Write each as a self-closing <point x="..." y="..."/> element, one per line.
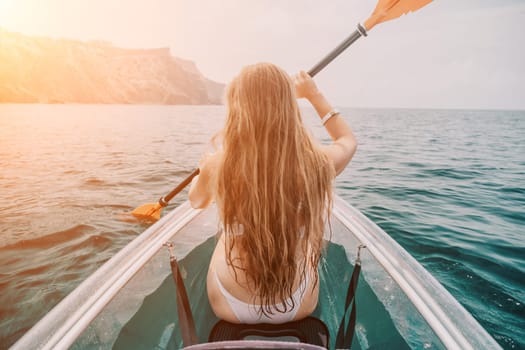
<point x="250" y="313"/>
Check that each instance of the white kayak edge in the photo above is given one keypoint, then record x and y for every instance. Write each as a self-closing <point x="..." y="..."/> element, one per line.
<point x="450" y="321"/>
<point x="59" y="328"/>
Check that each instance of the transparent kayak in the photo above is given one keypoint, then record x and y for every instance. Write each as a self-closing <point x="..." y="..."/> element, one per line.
<point x="130" y="303"/>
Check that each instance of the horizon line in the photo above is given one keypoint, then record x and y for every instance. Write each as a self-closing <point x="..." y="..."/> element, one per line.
<point x="498" y="109"/>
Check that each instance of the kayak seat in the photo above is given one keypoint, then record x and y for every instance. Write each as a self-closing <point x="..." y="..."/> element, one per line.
<point x="309" y="330"/>
<point x="253" y="344"/>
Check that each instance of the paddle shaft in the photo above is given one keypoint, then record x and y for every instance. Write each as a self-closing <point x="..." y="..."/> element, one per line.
<point x="360" y="31"/>
<point x="163" y="201"/>
<point x="384" y="11"/>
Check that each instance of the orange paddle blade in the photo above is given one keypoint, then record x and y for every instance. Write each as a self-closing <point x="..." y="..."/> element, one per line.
<point x="148" y="211"/>
<point x="389" y="9"/>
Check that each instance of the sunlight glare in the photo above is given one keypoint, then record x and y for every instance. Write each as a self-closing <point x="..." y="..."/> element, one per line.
<point x="14" y="14"/>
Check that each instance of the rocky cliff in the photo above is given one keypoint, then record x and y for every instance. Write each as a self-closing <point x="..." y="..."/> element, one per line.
<point x="44" y="70"/>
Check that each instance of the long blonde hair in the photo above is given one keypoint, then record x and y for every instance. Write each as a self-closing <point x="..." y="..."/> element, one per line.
<point x="274" y="184"/>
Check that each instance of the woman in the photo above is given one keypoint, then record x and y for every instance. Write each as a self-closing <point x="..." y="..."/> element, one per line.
<point x="272" y="185"/>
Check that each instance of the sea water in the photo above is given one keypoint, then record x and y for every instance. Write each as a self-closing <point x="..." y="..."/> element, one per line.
<point x="448" y="185"/>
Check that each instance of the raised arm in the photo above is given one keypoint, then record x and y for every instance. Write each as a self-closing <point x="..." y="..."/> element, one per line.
<point x="344" y="142"/>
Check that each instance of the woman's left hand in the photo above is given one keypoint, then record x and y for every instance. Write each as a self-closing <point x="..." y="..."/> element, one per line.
<point x="304" y="85"/>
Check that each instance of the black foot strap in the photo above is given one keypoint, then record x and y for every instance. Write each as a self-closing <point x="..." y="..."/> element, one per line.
<point x="186" y="322"/>
<point x="345" y="334"/>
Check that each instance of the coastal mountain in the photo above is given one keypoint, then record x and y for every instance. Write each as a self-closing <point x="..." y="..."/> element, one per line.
<point x="45" y="70"/>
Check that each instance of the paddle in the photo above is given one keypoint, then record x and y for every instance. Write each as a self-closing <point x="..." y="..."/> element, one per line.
<point x="152" y="211"/>
<point x="385" y="10"/>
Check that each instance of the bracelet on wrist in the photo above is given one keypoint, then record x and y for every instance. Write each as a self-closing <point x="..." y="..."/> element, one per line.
<point x="329" y="115"/>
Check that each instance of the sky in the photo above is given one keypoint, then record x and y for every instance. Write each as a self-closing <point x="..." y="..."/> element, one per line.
<point x="450" y="54"/>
